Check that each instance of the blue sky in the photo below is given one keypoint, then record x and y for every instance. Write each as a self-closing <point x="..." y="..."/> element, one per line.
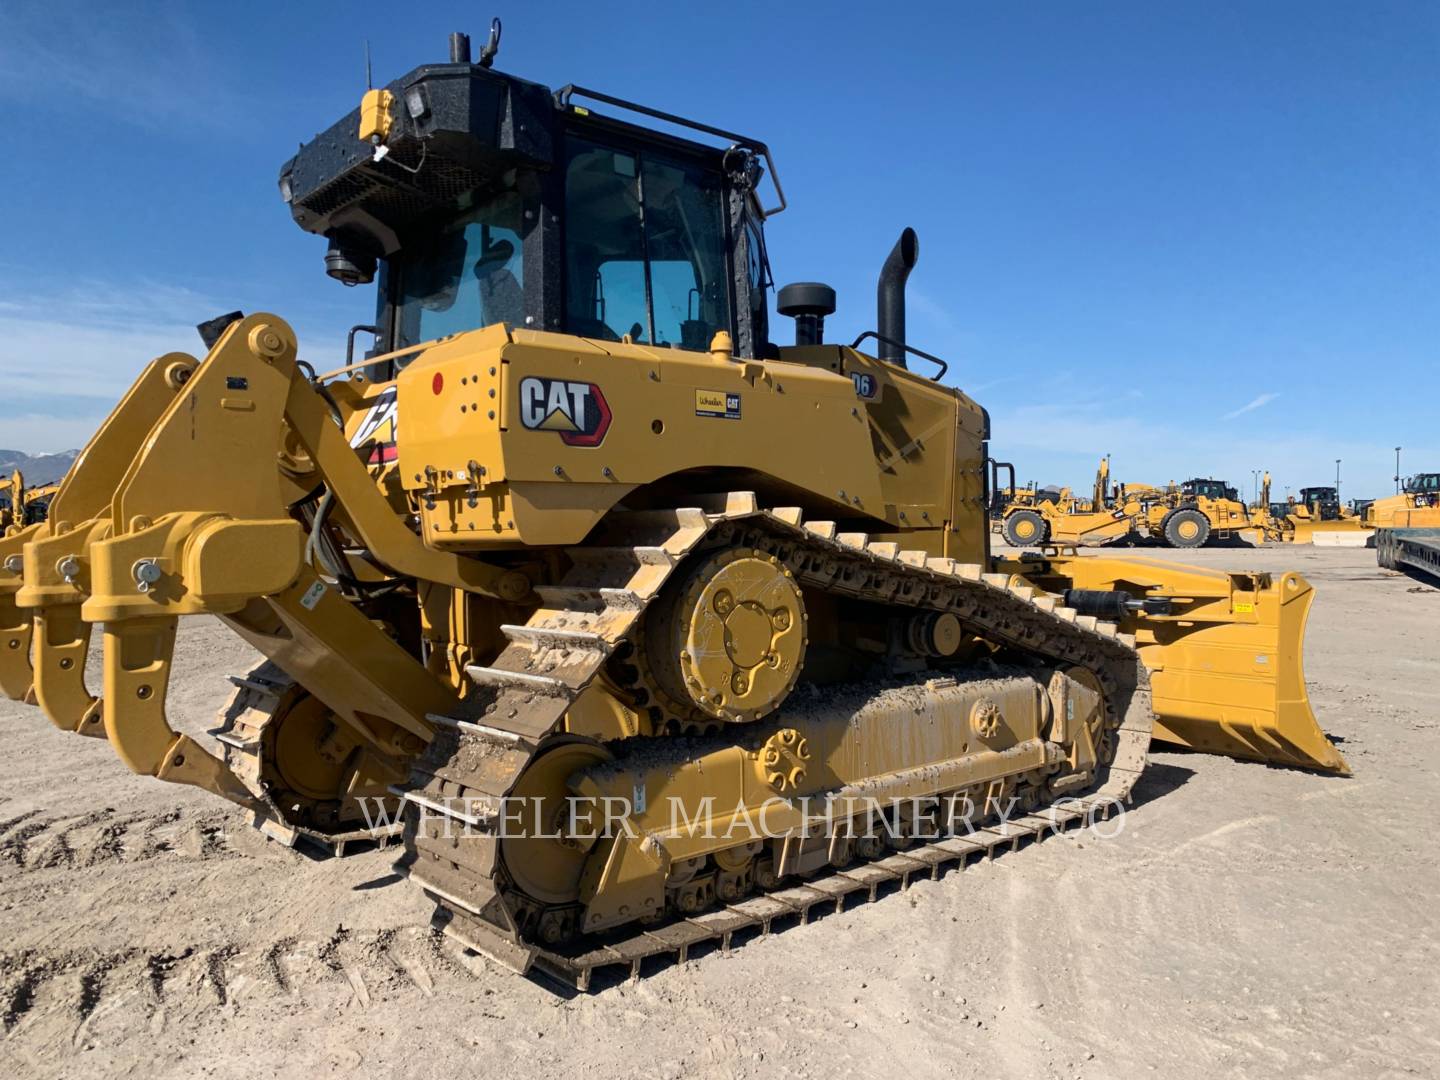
<point x="1202" y="237"/>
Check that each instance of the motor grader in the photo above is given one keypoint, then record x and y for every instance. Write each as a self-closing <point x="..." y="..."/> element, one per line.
<point x="577" y="571"/>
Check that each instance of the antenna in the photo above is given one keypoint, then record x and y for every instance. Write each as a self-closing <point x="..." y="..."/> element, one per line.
<point x="369" y="83"/>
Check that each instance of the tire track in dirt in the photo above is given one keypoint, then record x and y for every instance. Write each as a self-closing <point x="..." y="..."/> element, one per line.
<point x="15" y="846"/>
<point x="31" y="842"/>
<point x="203" y="976"/>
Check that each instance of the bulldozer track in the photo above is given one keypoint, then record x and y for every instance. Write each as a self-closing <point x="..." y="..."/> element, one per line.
<point x="241" y="736"/>
<point x="474" y="761"/>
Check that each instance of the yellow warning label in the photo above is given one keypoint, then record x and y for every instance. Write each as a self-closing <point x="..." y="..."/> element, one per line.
<point x="1244" y="607"/>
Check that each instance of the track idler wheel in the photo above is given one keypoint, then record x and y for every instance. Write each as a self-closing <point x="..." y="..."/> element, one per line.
<point x="730" y="640"/>
<point x="543" y="848"/>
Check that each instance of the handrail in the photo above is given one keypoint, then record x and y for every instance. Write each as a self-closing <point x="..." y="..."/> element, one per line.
<point x="565" y="93"/>
<point x="944" y="367"/>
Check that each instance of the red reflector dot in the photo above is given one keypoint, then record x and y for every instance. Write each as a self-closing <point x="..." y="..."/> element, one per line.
<point x="437" y="383"/>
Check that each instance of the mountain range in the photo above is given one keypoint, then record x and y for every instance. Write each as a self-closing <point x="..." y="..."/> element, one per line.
<point x="37" y="469"/>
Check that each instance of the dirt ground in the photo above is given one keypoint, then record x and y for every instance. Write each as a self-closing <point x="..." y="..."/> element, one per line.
<point x="1248" y="921"/>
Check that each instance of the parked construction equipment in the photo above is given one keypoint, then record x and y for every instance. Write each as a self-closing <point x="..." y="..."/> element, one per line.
<point x="1183" y="515"/>
<point x="1033" y="518"/>
<point x="1418" y="492"/>
<point x="21" y="506"/>
<point x="653" y="628"/>
<point x="1408" y="526"/>
<point x="12" y="502"/>
<point x="1190" y="515"/>
<point x="1317" y="512"/>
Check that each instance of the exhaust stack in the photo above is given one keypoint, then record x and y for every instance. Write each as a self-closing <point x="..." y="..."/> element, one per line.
<point x="890" y="297"/>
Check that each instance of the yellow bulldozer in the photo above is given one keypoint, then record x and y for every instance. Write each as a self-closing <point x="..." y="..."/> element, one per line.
<point x="1317" y="513"/>
<point x="641" y="627"/>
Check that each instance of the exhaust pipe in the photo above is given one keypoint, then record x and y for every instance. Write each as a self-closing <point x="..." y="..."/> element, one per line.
<point x="890" y="297"/>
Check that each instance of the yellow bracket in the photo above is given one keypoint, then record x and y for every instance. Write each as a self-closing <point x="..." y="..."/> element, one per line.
<point x="84" y="495"/>
<point x="91" y="482"/>
<point x="178" y="509"/>
<point x="204" y="459"/>
<point x="57" y="578"/>
<point x="62" y="642"/>
<point x="16" y="630"/>
<point x="16" y="625"/>
<point x="138" y="654"/>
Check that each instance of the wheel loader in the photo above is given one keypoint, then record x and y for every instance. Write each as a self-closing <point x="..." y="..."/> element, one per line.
<point x="641" y="626"/>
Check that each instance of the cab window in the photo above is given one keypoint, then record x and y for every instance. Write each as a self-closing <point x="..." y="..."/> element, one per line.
<point x="468" y="275"/>
<point x="644" y="248"/>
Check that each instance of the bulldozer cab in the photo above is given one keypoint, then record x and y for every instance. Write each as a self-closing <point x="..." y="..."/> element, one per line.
<point x="478" y="198"/>
<point x="1323" y="502"/>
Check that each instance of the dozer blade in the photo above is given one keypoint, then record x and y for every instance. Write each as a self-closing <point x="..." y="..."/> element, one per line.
<point x="1238" y="689"/>
<point x="1226" y="664"/>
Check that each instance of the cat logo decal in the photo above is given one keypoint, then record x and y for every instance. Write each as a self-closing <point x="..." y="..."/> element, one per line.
<point x="576" y="411"/>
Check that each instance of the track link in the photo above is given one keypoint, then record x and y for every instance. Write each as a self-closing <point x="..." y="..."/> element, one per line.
<point x="461" y="780"/>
